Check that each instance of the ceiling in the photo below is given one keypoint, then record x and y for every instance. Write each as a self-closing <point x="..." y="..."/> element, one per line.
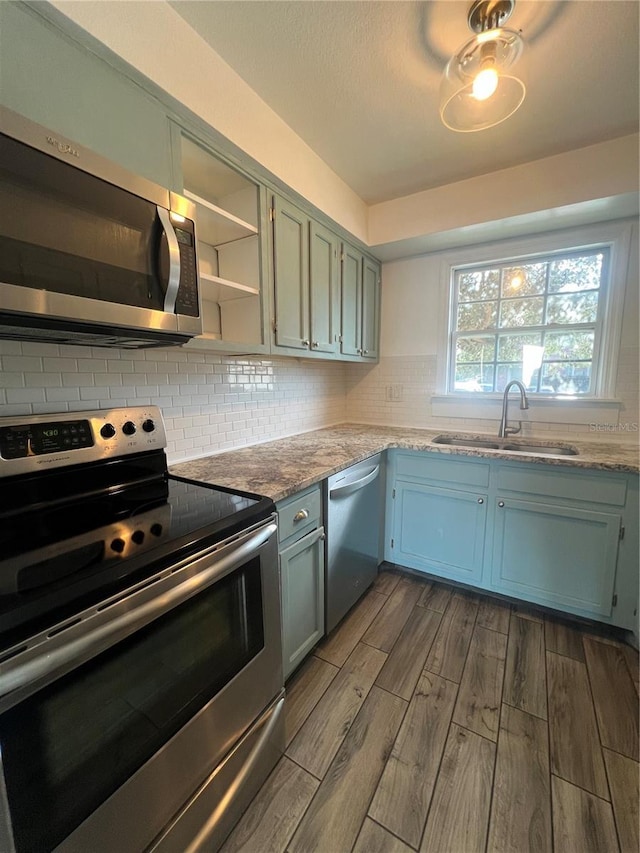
<point x="359" y="81"/>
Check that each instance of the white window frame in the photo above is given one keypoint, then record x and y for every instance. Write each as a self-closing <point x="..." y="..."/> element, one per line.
<point x="616" y="237"/>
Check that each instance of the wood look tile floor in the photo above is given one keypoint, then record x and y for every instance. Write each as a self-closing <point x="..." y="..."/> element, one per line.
<point x="433" y="719"/>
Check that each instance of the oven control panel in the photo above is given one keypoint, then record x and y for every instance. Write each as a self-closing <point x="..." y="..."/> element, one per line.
<point x="39" y="442"/>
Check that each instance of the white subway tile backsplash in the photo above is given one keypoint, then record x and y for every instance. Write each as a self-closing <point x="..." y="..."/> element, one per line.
<point x="212" y="402"/>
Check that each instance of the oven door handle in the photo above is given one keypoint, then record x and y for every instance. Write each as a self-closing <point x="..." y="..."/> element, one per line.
<point x="85" y="646"/>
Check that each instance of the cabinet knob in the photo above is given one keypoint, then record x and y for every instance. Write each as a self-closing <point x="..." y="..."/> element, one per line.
<point x="315" y="344"/>
<point x="301" y="515"/>
<point x="305" y="343"/>
<point x="500" y="503"/>
<point x="365" y="351"/>
<point x="480" y="500"/>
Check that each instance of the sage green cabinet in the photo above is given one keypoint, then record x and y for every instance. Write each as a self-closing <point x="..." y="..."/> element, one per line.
<point x="324" y="288"/>
<point x="302" y="572"/>
<point x="360" y="304"/>
<point x="561" y="537"/>
<point x="557" y="555"/>
<point x="306" y="283"/>
<point x="68" y="89"/>
<point x="440" y="531"/>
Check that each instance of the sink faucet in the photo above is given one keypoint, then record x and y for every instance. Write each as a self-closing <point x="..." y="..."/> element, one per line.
<point x="506" y="430"/>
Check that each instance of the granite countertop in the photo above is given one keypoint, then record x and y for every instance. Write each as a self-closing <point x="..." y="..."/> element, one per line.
<point x="285" y="466"/>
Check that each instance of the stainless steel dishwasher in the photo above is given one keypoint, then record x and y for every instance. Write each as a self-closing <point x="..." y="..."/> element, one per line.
<point x="354" y="513"/>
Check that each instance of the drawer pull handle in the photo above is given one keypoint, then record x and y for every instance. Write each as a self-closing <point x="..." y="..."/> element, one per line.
<point x="301" y="515"/>
<point x="500" y="503"/>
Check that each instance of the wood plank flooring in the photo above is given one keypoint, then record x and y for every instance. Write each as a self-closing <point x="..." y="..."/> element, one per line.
<point x="433" y="719"/>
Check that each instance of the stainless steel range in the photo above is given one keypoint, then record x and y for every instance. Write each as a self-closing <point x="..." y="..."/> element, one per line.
<point x="141" y="690"/>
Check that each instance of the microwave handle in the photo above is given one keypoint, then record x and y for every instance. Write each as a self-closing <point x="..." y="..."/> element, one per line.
<point x="174" y="261"/>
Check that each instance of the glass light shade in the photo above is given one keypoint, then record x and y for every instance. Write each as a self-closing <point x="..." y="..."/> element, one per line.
<point x="463" y="109"/>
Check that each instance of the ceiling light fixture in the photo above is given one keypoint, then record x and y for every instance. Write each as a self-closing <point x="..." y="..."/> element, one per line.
<point x="477" y="91"/>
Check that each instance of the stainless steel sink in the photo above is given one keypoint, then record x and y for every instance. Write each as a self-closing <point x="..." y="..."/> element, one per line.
<point x="515" y="447"/>
<point x="467" y="442"/>
<point x="546" y="449"/>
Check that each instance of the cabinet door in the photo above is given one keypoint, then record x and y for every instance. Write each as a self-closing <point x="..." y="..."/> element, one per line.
<point x="440" y="531"/>
<point x="65" y="87"/>
<point x="324" y="288"/>
<point x="370" y="308"/>
<point x="291" y="275"/>
<point x="302" y="583"/>
<point x="557" y="555"/>
<point x="351" y="301"/>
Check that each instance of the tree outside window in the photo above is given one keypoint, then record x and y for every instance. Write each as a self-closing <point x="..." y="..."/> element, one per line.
<point x="536" y="320"/>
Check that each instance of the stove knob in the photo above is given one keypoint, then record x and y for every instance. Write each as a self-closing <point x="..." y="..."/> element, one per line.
<point x="138" y="536"/>
<point x="128" y="428"/>
<point x="118" y="545"/>
<point x="148" y="425"/>
<point x="156" y="529"/>
<point x="108" y="431"/>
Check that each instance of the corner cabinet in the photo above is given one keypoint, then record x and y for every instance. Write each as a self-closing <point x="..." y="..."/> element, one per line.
<point x="360" y="304"/>
<point x="302" y="569"/>
<point x="230" y="222"/>
<point x="565" y="538"/>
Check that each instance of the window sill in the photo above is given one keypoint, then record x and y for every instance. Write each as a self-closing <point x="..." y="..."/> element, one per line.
<point x="552" y="410"/>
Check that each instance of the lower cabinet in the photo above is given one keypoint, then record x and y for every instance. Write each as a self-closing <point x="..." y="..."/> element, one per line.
<point x="302" y="568"/>
<point x="559" y="555"/>
<point x="440" y="530"/>
<point x="563" y="538"/>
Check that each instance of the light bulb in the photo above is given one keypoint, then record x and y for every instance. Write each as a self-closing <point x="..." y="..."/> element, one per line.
<point x="485" y="83"/>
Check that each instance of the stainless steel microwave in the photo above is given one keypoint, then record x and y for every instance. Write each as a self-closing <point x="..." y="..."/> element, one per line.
<point x="90" y="253"/>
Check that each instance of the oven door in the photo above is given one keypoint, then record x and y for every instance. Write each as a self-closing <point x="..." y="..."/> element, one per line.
<point x="111" y="723"/>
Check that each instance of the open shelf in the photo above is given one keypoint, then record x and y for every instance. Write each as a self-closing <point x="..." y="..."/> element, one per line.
<point x="217" y="226"/>
<point x="207" y="278"/>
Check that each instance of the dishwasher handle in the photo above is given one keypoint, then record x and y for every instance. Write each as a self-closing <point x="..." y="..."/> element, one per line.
<point x="355" y="485"/>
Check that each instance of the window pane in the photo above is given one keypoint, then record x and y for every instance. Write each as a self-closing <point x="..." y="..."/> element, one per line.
<point x="474" y="377"/>
<point x="481" y="284"/>
<point x="525" y="280"/>
<point x="477" y="315"/>
<point x="578" y="308"/>
<point x="566" y="377"/>
<point x="510" y="346"/>
<point x="568" y="345"/>
<point x="475" y="349"/>
<point x="522" y="312"/>
<point x="571" y="274"/>
<point x="505" y="373"/>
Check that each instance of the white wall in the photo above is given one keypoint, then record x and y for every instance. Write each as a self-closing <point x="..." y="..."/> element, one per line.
<point x="587" y="184"/>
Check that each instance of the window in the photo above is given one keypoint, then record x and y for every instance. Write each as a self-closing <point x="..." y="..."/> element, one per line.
<point x="539" y="319"/>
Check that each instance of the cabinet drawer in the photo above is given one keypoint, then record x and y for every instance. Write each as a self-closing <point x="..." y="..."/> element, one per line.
<point x="582" y="486"/>
<point x="448" y="470"/>
<point x="299" y="514"/>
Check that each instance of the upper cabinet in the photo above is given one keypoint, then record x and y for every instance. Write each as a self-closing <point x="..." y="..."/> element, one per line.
<point x="360" y="304"/>
<point x="229" y="224"/>
<point x="306" y="282"/>
<point x="326" y="293"/>
<point x="53" y="81"/>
